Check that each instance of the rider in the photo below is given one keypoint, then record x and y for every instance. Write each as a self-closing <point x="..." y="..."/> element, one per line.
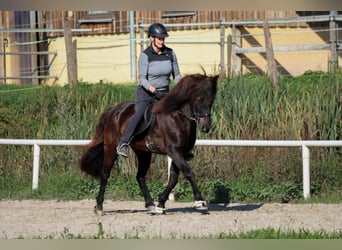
<point x="156" y="64"/>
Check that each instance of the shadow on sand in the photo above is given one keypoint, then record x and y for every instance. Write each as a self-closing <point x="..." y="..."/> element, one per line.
<point x="212" y="207"/>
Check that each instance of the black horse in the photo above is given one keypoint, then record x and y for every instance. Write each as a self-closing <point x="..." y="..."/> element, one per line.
<point x="173" y="133"/>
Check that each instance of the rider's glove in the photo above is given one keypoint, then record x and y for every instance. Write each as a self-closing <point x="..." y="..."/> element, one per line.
<point x="159" y="94"/>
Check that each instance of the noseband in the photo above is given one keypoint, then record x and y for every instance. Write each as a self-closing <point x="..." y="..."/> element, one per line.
<point x="195" y="117"/>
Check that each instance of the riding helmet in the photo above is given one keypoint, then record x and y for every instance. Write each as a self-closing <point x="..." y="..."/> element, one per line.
<point x="157" y="30"/>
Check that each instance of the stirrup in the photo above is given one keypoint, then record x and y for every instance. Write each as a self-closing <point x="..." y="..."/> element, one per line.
<point x="122" y="150"/>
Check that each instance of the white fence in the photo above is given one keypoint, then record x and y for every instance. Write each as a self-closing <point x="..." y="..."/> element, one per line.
<point x="304" y="145"/>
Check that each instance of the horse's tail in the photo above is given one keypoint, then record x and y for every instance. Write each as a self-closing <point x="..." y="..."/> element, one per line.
<point x="92" y="159"/>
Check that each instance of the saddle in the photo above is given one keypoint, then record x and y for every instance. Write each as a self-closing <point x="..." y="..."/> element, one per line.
<point x="145" y="125"/>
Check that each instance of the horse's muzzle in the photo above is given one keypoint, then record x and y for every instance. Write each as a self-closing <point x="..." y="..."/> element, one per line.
<point x="204" y="124"/>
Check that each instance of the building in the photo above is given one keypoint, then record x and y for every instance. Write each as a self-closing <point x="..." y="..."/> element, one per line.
<point x="104" y="45"/>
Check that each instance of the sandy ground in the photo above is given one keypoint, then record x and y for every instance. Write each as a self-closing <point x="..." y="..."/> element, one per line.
<point x="32" y="219"/>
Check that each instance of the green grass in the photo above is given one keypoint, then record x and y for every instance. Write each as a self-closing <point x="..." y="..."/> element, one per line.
<point x="270" y="233"/>
<point x="308" y="107"/>
<point x="76" y="186"/>
<point x="267" y="233"/>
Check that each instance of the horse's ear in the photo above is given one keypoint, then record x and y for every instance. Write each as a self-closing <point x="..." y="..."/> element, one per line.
<point x="215" y="78"/>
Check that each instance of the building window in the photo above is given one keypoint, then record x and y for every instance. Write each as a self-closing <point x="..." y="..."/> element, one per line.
<point x="98" y="17"/>
<point x="175" y="14"/>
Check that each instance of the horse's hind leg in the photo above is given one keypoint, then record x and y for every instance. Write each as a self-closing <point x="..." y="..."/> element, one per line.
<point x="108" y="162"/>
<point x="144" y="161"/>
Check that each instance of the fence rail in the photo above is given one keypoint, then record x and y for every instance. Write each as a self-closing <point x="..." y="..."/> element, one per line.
<point x="304" y="145"/>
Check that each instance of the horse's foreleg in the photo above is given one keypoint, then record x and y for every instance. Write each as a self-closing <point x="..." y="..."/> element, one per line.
<point x="163" y="197"/>
<point x="189" y="175"/>
<point x="191" y="178"/>
<point x="199" y="204"/>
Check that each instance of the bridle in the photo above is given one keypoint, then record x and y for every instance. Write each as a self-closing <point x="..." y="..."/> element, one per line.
<point x="195" y="117"/>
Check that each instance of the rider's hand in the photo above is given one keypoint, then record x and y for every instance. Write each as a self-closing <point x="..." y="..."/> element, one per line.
<point x="159" y="94"/>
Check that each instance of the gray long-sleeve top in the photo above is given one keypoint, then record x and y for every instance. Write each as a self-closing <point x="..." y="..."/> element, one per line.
<point x="155" y="70"/>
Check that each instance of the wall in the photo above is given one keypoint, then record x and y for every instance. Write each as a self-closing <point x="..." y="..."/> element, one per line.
<point x="291" y="63"/>
<point x="99" y="58"/>
<point x="107" y="58"/>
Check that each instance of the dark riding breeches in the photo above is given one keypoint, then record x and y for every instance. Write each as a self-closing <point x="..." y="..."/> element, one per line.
<point x="142" y="100"/>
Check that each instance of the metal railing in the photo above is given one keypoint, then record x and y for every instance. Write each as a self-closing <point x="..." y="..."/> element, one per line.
<point x="304" y="145"/>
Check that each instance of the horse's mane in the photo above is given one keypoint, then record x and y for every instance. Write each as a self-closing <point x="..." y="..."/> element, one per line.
<point x="181" y="93"/>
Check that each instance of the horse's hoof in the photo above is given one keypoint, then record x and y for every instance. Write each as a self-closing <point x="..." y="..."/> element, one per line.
<point x="97" y="211"/>
<point x="160" y="210"/>
<point x="151" y="209"/>
<point x="200" y="205"/>
<point x="155" y="210"/>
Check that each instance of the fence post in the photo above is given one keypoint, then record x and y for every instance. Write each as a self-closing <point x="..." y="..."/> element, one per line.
<point x="306" y="171"/>
<point x="272" y="71"/>
<point x="222" y="37"/>
<point x="229" y="56"/>
<point x="236" y="44"/>
<point x="132" y="46"/>
<point x="141" y="32"/>
<point x="36" y="155"/>
<point x="333" y="41"/>
<point x="71" y="51"/>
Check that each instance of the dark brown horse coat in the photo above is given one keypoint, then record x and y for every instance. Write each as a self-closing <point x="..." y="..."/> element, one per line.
<point x="177" y="116"/>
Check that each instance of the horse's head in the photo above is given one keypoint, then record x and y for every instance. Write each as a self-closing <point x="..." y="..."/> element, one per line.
<point x="202" y="100"/>
<point x="198" y="92"/>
